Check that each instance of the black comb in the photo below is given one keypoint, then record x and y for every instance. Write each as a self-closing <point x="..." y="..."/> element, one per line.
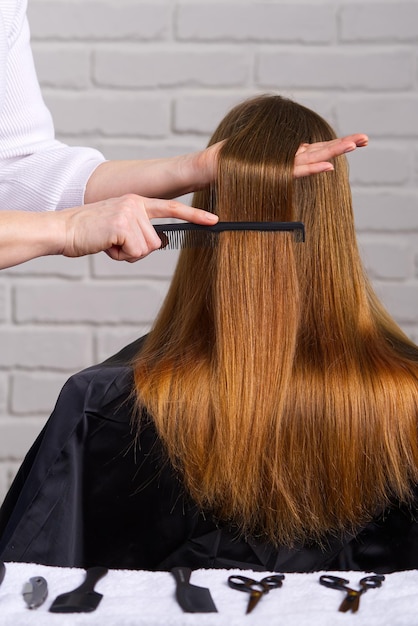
<point x="186" y="235"/>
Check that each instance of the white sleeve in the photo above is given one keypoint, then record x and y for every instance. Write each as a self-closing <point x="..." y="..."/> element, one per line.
<point x="37" y="172"/>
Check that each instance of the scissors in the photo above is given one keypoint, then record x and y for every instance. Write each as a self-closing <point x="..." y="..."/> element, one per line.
<point x="256" y="588"/>
<point x="351" y="601"/>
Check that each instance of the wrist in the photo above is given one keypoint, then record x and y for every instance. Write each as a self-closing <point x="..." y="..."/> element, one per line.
<point x="53" y="233"/>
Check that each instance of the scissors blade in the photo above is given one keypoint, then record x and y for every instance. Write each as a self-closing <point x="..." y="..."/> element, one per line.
<point x="35" y="592"/>
<point x="255" y="598"/>
<point x="351" y="602"/>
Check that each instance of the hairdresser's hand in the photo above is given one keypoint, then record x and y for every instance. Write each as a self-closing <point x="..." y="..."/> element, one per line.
<point x="121" y="226"/>
<point x="312" y="158"/>
<point x="153" y="178"/>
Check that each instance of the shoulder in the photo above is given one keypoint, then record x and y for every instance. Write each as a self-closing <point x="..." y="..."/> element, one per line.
<point x="14" y="16"/>
<point x="103" y="387"/>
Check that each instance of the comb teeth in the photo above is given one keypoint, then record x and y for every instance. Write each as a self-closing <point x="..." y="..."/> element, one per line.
<point x="176" y="236"/>
<point x="179" y="239"/>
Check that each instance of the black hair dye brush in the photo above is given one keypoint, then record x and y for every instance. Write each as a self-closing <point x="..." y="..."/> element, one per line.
<point x="186" y="235"/>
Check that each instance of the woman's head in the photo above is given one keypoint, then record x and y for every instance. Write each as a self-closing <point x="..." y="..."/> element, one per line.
<point x="262" y="136"/>
<point x="255" y="182"/>
<point x="283" y="392"/>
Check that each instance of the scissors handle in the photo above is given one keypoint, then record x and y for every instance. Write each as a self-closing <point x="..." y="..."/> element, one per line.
<point x="371" y="582"/>
<point x="273" y="582"/>
<point x="334" y="582"/>
<point x="242" y="583"/>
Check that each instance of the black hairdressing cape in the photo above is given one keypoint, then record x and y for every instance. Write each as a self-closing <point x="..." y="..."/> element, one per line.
<point x="87" y="494"/>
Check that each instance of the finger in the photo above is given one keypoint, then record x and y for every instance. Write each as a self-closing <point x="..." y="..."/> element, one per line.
<point x="342" y="143"/>
<point x="116" y="253"/>
<point x="360" y="139"/>
<point x="127" y="253"/>
<point x="177" y="210"/>
<point x="355" y="140"/>
<point x="323" y="151"/>
<point x="144" y="233"/>
<point x="348" y="143"/>
<point x="312" y="168"/>
<point x="342" y="146"/>
<point x="302" y="148"/>
<point x="119" y="255"/>
<point x="130" y="251"/>
<point x="136" y="239"/>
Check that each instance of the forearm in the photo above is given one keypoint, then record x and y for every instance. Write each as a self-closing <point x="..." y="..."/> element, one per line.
<point x="153" y="178"/>
<point x="116" y="178"/>
<point x="25" y="236"/>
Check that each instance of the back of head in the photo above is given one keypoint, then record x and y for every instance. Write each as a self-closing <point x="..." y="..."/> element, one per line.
<point x="282" y="390"/>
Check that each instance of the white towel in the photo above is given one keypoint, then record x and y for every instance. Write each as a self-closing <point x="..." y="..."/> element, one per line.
<point x="139" y="598"/>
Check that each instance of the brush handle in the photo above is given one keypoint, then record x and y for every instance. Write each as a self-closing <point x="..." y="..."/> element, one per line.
<point x="93" y="574"/>
<point x="2" y="571"/>
<point x="181" y="574"/>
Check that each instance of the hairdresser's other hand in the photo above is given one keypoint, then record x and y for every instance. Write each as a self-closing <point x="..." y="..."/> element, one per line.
<point x="154" y="178"/>
<point x="312" y="158"/>
<point x="121" y="226"/>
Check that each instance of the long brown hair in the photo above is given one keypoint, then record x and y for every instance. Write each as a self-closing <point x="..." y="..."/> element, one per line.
<point x="283" y="392"/>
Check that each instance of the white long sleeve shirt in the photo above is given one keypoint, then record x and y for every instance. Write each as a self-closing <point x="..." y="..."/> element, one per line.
<point x="37" y="172"/>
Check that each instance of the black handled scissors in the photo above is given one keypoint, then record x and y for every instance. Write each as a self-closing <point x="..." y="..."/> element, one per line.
<point x="256" y="588"/>
<point x="351" y="601"/>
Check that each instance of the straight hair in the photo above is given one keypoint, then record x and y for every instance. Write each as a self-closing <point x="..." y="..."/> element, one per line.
<point x="283" y="392"/>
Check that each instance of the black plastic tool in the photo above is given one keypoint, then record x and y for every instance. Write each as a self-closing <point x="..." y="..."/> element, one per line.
<point x="2" y="571"/>
<point x="83" y="599"/>
<point x="185" y="235"/>
<point x="191" y="598"/>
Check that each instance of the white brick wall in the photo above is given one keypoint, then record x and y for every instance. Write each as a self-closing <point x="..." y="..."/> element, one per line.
<point x="147" y="78"/>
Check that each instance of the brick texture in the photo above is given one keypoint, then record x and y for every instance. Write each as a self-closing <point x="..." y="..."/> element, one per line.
<point x="140" y="79"/>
